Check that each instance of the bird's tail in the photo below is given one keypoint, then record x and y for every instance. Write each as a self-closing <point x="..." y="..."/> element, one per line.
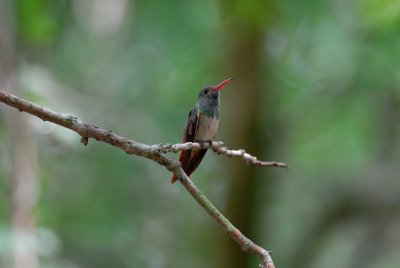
<point x="174" y="179"/>
<point x="181" y="160"/>
<point x="195" y="159"/>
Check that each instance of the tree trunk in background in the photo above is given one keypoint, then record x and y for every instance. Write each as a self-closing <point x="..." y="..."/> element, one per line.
<point x="244" y="110"/>
<point x="23" y="189"/>
<point x="22" y="154"/>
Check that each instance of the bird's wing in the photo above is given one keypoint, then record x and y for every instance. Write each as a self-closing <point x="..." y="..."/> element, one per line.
<point x="189" y="132"/>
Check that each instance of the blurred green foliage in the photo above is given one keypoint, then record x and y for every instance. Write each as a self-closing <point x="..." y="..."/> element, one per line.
<point x="135" y="67"/>
<point x="37" y="20"/>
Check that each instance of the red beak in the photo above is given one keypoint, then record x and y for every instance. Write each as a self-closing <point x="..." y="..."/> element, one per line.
<point x="220" y="85"/>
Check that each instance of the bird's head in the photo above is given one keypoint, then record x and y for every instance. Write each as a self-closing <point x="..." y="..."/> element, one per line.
<point x="210" y="94"/>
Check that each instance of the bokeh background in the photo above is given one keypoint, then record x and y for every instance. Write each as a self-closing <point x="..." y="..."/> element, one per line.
<point x="317" y="86"/>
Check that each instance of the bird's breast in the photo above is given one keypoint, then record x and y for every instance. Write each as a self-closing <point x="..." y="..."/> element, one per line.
<point x="207" y="128"/>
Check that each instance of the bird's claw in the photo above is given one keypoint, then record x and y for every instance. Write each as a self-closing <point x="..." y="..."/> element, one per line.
<point x="203" y="144"/>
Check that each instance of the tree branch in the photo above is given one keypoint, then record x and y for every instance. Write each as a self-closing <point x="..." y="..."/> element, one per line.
<point x="157" y="154"/>
<point x="217" y="147"/>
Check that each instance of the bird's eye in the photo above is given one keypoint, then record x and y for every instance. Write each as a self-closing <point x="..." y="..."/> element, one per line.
<point x="206" y="91"/>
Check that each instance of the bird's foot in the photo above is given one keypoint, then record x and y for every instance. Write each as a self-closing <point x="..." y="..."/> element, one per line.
<point x="203" y="144"/>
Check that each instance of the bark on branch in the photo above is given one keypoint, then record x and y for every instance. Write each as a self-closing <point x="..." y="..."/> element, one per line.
<point x="157" y="154"/>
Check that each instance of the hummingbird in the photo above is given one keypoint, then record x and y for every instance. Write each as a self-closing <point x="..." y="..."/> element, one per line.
<point x="201" y="126"/>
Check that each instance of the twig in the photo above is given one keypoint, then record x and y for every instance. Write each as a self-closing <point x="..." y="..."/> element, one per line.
<point x="217" y="146"/>
<point x="155" y="153"/>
